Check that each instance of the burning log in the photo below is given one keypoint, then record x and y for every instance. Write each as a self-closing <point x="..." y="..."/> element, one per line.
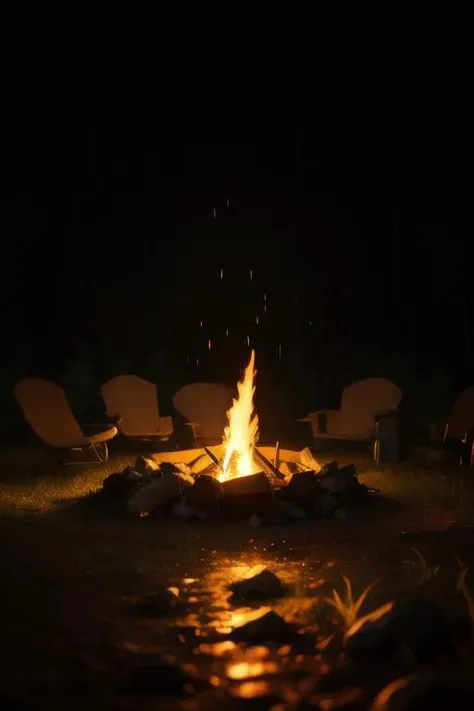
<point x="276" y="457"/>
<point x="212" y="456"/>
<point x="243" y="485"/>
<point x="247" y="496"/>
<point x="268" y="465"/>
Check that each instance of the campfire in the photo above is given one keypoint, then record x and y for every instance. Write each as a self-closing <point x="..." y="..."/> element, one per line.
<point x="238" y="478"/>
<point x="241" y="458"/>
<point x="241" y="434"/>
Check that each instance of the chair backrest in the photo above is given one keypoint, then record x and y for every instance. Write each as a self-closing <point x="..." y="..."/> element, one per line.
<point x="461" y="419"/>
<point x="47" y="411"/>
<point x="363" y="400"/>
<point x="135" y="400"/>
<point x="206" y="404"/>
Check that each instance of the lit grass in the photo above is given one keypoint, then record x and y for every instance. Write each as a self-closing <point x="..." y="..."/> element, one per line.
<point x="424" y="570"/>
<point x="465" y="590"/>
<point x="409" y="483"/>
<point x="346" y="605"/>
<point x="46" y="490"/>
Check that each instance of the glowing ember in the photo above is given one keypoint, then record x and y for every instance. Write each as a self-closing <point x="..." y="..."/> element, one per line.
<point x="241" y="434"/>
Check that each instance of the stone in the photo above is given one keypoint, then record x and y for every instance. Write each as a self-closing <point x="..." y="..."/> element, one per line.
<point x="169" y="468"/>
<point x="147" y="467"/>
<point x="160" y="603"/>
<point x="420" y="626"/>
<point x="438" y="689"/>
<point x="326" y="505"/>
<point x="265" y="585"/>
<point x="205" y="492"/>
<point x="158" y="492"/>
<point x="122" y="484"/>
<point x="340" y="480"/>
<point x="329" y="468"/>
<point x="292" y="510"/>
<point x="270" y="627"/>
<point x="182" y="510"/>
<point x="151" y="674"/>
<point x="184" y="468"/>
<point x="303" y="488"/>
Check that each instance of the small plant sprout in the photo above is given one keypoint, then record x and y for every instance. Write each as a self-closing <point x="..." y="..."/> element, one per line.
<point x="425" y="570"/>
<point x="464" y="589"/>
<point x="346" y="605"/>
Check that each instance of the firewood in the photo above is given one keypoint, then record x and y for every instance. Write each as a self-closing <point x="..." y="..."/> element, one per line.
<point x="266" y="463"/>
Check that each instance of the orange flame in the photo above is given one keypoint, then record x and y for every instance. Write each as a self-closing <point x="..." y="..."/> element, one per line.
<point x="241" y="434"/>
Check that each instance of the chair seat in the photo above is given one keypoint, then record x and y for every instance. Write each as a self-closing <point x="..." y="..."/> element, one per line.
<point x="87" y="441"/>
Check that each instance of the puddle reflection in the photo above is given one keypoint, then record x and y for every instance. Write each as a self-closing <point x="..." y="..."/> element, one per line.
<point x="218" y="613"/>
<point x="255" y="671"/>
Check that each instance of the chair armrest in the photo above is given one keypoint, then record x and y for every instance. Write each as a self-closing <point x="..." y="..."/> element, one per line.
<point x="333" y="422"/>
<point x="166" y="425"/>
<point x="324" y="421"/>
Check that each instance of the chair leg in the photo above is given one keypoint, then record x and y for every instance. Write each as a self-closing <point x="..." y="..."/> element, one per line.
<point x="100" y="452"/>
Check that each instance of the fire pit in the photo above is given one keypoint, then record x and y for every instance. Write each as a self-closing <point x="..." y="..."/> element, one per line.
<point x="237" y="477"/>
<point x="238" y="456"/>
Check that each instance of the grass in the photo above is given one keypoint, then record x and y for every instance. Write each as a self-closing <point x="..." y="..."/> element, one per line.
<point x="346" y="605"/>
<point x="68" y="572"/>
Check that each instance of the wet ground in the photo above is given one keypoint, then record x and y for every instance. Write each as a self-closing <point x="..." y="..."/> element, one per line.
<point x="69" y="580"/>
<point x="70" y="573"/>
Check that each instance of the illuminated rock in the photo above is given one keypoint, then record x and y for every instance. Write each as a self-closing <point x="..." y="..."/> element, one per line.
<point x="159" y="491"/>
<point x="262" y="586"/>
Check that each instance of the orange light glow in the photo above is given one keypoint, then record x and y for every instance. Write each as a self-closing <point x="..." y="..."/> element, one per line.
<point x="241" y="434"/>
<point x="247" y="670"/>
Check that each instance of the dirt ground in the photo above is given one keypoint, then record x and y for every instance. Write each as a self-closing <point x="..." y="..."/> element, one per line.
<point x="69" y="574"/>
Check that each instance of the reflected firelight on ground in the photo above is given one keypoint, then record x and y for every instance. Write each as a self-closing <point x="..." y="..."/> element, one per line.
<point x="215" y="611"/>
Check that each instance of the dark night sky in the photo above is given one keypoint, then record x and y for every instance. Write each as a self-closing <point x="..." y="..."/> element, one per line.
<point x="346" y="159"/>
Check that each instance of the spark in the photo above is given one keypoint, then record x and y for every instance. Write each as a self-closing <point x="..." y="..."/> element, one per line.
<point x="214" y="213"/>
<point x="248" y="340"/>
<point x="209" y="345"/>
<point x="227" y="202"/>
<point x="256" y="320"/>
<point x="200" y="323"/>
<point x="222" y="273"/>
<point x="197" y="361"/>
<point x="264" y="297"/>
<point x="264" y="308"/>
<point x="227" y="332"/>
<point x="189" y="359"/>
<point x="251" y="274"/>
<point x="279" y="352"/>
<point x="310" y="323"/>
